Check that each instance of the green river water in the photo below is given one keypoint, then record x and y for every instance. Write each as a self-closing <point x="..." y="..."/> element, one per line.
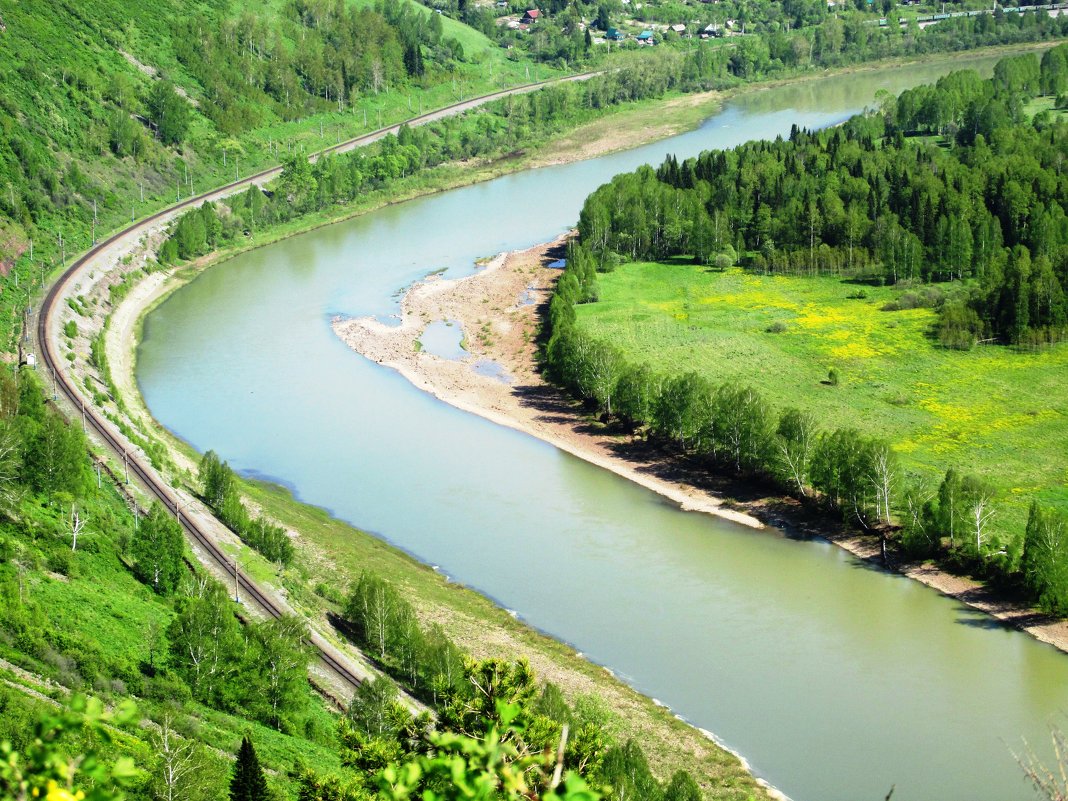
<point x="835" y="680"/>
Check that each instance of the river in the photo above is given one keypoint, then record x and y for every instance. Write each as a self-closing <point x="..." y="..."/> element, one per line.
<point x="835" y="680"/>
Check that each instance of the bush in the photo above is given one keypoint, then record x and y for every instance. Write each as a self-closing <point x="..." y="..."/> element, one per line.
<point x="832" y="377"/>
<point x="166" y="686"/>
<point x="331" y="594"/>
<point x="960" y="327"/>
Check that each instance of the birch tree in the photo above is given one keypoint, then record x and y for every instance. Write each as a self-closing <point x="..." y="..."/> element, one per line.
<point x="372" y="607"/>
<point x="795" y="439"/>
<point x="977" y="506"/>
<point x="158" y="547"/>
<point x="882" y="472"/>
<point x="77" y="523"/>
<point x="184" y="771"/>
<point x="280" y="656"/>
<point x="206" y="642"/>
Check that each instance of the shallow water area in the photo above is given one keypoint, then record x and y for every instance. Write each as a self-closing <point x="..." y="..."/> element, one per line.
<point x="444" y="339"/>
<point x="834" y="679"/>
<point x="492" y="369"/>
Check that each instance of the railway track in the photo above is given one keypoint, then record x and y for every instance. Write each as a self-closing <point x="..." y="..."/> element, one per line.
<point x="155" y="485"/>
<point x="117" y="443"/>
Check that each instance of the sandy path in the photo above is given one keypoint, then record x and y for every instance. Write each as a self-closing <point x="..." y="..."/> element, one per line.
<point x="497" y="308"/>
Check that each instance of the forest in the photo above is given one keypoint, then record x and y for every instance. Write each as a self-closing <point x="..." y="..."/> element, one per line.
<point x="983" y="205"/>
<point x="160" y="102"/>
<point x="953" y="191"/>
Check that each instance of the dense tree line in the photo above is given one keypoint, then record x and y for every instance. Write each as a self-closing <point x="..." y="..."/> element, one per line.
<point x="863" y="200"/>
<point x="220" y="493"/>
<point x="505" y="126"/>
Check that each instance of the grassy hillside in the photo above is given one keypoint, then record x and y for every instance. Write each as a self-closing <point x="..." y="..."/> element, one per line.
<point x="79" y="620"/>
<point x="76" y="113"/>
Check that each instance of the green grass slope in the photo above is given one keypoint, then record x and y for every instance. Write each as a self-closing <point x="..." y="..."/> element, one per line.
<point x="83" y="621"/>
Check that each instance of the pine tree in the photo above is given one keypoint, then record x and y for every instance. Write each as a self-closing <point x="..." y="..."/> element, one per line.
<point x="248" y="783"/>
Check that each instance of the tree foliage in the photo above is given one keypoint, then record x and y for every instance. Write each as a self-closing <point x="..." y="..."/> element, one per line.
<point x="248" y="782"/>
<point x="220" y="492"/>
<point x="158" y="548"/>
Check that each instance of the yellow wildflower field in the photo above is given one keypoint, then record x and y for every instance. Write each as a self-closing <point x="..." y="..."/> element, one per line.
<point x="993" y="411"/>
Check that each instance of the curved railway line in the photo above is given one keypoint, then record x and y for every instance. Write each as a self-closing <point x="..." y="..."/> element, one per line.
<point x="151" y="481"/>
<point x="330" y="657"/>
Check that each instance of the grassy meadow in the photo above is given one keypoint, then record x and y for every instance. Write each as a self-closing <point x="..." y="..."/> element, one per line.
<point x="993" y="411"/>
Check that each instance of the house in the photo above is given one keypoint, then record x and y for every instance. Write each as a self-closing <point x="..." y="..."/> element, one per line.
<point x="679" y="29"/>
<point x="712" y="29"/>
<point x="530" y="17"/>
<point x="646" y="37"/>
<point x="613" y="35"/>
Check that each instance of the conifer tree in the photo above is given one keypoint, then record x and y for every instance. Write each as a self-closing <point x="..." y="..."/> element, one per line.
<point x="248" y="782"/>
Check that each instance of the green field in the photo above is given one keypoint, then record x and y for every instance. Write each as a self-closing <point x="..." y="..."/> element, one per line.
<point x="993" y="411"/>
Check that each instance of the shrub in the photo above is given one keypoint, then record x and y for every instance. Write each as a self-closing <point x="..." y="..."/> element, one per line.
<point x="960" y="327"/>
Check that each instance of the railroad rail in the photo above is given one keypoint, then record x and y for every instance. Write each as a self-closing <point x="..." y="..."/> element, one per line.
<point x="118" y="444"/>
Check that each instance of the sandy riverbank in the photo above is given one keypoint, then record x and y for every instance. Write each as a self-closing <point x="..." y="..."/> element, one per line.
<point x="497" y="310"/>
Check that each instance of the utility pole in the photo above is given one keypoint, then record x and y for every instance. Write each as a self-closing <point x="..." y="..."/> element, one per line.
<point x="237" y="583"/>
<point x="142" y="191"/>
<point x="31" y="250"/>
<point x="94" y="222"/>
<point x="62" y="250"/>
<point x="55" y="395"/>
<point x="83" y="417"/>
<point x="125" y="460"/>
<point x="98" y="475"/>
